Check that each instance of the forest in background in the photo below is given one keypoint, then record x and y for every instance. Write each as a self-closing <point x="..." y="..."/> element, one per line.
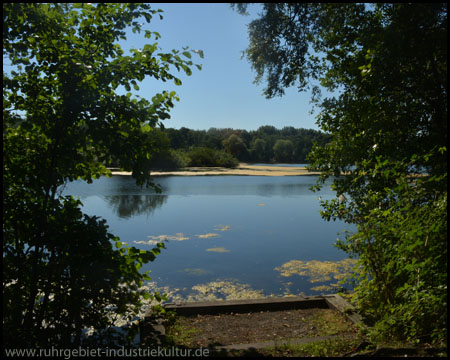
<point x="227" y="147"/>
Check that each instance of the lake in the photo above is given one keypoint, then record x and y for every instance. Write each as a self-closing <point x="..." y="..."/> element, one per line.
<point x="228" y="236"/>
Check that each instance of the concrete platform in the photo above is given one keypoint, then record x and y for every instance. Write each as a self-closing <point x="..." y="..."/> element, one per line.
<point x="154" y="328"/>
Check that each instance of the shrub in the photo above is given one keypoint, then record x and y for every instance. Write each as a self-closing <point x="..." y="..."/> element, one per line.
<point x="202" y="156"/>
<point x="171" y="159"/>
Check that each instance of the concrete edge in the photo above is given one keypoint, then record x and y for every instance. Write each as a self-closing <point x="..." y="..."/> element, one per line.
<point x="243" y="306"/>
<point x="338" y="303"/>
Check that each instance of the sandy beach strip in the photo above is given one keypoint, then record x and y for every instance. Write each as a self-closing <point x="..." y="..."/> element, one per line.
<point x="242" y="169"/>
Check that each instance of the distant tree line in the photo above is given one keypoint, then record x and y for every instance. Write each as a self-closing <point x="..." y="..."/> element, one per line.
<point x="227" y="147"/>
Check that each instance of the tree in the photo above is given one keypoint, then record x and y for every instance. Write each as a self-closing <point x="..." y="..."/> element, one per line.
<point x="267" y="130"/>
<point x="235" y="146"/>
<point x="288" y="131"/>
<point x="283" y="150"/>
<point x="258" y="150"/>
<point x="63" y="120"/>
<point x="387" y="64"/>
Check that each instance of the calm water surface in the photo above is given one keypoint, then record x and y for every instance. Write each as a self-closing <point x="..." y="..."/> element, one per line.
<point x="229" y="231"/>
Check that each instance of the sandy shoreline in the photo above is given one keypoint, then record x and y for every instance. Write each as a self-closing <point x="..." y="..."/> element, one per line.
<point x="242" y="169"/>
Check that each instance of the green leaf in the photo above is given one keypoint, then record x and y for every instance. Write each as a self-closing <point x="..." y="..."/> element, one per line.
<point x="199" y="52"/>
<point x="147" y="16"/>
<point x="146" y="128"/>
<point x="145" y="276"/>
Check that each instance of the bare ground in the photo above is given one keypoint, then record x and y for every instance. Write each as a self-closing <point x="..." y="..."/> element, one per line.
<point x="338" y="337"/>
<point x="257" y="327"/>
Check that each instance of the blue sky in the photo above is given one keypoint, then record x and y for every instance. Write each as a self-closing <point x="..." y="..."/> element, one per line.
<point x="222" y="94"/>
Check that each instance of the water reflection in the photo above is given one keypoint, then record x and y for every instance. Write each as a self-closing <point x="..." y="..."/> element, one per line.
<point x="237" y="185"/>
<point x="199" y="185"/>
<point x="126" y="206"/>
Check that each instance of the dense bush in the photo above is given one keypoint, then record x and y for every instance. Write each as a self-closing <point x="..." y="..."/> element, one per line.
<point x="402" y="290"/>
<point x="209" y="157"/>
<point x="170" y="159"/>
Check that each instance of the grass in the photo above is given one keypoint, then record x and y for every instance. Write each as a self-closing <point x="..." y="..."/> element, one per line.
<point x="330" y="323"/>
<point x="335" y="347"/>
<point x="177" y="333"/>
